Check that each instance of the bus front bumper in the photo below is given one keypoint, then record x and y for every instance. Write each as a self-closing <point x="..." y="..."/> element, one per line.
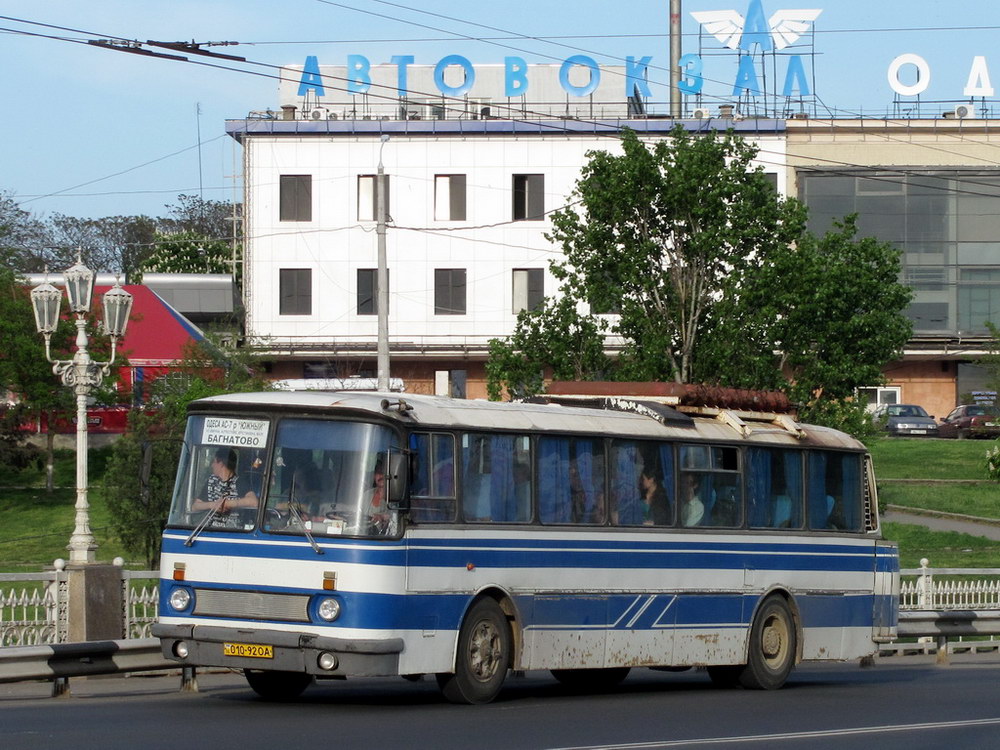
<point x="237" y="648"/>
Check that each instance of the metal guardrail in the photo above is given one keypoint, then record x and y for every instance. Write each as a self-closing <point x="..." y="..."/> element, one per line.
<point x="60" y="661"/>
<point x="82" y="659"/>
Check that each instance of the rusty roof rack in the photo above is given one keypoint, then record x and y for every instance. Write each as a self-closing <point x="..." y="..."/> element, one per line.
<point x="651" y="408"/>
<point x="732" y="406"/>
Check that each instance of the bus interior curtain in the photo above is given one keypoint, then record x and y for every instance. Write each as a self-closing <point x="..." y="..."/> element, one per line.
<point x="503" y="503"/>
<point x="553" y="481"/>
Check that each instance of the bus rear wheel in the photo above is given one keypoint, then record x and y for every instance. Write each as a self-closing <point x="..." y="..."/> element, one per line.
<point x="277" y="686"/>
<point x="591" y="679"/>
<point x="484" y="656"/>
<point x="771" y="655"/>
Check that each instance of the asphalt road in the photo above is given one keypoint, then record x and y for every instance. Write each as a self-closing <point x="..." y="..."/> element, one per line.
<point x="902" y="702"/>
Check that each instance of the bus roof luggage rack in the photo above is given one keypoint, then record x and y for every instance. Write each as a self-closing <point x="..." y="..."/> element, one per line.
<point x="677" y="402"/>
<point x="657" y="410"/>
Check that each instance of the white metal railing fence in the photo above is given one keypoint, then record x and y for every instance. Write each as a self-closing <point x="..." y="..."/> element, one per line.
<point x="34" y="607"/>
<point x="927" y="588"/>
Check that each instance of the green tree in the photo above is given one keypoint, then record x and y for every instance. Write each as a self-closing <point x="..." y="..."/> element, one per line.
<point x="187" y="252"/>
<point x="23" y="238"/>
<point x="660" y="234"/>
<point x="26" y="374"/>
<point x="112" y="244"/>
<point x="206" y="218"/>
<point x="714" y="279"/>
<point x="140" y="475"/>
<point x="552" y="339"/>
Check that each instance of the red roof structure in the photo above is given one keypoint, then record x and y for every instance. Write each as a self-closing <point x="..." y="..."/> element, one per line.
<point x="156" y="333"/>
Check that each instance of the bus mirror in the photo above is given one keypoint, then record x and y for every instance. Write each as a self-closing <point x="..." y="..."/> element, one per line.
<point x="397" y="479"/>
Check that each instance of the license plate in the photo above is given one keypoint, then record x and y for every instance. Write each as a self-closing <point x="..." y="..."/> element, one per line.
<point x="918" y="432"/>
<point x="993" y="424"/>
<point x="250" y="650"/>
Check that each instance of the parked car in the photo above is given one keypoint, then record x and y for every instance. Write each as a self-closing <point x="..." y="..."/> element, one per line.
<point x="906" y="420"/>
<point x="971" y="420"/>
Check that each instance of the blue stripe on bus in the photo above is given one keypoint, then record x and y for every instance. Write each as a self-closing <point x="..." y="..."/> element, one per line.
<point x="614" y="612"/>
<point x="176" y="544"/>
<point x="559" y="554"/>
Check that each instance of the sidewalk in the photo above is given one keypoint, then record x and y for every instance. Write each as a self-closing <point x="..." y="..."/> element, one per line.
<point x="936" y="523"/>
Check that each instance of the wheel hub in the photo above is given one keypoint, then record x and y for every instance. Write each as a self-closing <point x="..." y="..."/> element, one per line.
<point x="485" y="651"/>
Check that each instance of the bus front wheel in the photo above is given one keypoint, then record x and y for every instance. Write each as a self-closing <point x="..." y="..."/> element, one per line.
<point x="277" y="686"/>
<point x="483" y="658"/>
<point x="772" y="647"/>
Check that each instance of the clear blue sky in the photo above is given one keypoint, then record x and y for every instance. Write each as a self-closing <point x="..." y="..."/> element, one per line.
<point x="77" y="114"/>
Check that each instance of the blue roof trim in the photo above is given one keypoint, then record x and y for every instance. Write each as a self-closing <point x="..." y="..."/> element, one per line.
<point x="242" y="128"/>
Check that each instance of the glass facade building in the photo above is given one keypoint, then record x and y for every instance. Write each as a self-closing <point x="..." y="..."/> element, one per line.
<point x="946" y="221"/>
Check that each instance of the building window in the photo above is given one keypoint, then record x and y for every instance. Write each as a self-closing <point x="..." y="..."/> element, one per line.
<point x="368" y="290"/>
<point x="295" y="291"/>
<point x="529" y="197"/>
<point x="450" y="383"/>
<point x="529" y="289"/>
<point x="449" y="291"/>
<point x="449" y="197"/>
<point x="368" y="197"/>
<point x="295" y="197"/>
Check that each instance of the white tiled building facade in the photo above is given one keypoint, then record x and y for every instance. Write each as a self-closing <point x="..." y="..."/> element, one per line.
<point x="469" y="201"/>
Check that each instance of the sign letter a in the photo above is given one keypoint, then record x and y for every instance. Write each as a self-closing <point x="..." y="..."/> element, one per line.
<point x="311" y="78"/>
<point x="979" y="79"/>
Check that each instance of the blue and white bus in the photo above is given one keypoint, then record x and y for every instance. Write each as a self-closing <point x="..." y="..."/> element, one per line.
<point x="345" y="534"/>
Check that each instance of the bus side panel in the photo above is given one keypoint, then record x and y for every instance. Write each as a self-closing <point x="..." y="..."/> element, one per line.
<point x="886" y="615"/>
<point x="710" y="629"/>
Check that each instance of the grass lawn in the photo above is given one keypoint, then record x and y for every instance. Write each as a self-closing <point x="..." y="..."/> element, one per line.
<point x="981" y="500"/>
<point x="35" y="526"/>
<point x="916" y="458"/>
<point x="944" y="549"/>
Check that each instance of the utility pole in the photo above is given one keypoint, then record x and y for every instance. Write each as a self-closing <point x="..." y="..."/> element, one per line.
<point x="676" y="105"/>
<point x="382" y="278"/>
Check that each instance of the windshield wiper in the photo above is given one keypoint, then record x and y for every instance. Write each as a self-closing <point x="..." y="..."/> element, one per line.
<point x="204" y="522"/>
<point x="293" y="510"/>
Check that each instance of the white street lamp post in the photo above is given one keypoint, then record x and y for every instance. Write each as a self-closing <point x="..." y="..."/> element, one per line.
<point x="81" y="373"/>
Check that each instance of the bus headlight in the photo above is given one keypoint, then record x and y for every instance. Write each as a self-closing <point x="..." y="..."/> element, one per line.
<point x="180" y="599"/>
<point x="328" y="609"/>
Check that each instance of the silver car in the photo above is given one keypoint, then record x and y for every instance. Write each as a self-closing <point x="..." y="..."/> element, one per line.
<point x="906" y="420"/>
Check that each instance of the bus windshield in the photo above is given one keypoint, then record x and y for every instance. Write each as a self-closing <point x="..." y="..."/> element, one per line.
<point x="328" y="478"/>
<point x="324" y="478"/>
<point x="220" y="476"/>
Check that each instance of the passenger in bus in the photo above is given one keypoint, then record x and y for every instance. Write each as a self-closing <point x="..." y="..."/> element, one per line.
<point x="224" y="491"/>
<point x="374" y="506"/>
<point x="692" y="507"/>
<point x="656" y="505"/>
<point x="725" y="509"/>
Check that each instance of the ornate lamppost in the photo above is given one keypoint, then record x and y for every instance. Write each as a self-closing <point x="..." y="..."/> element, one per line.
<point x="81" y="373"/>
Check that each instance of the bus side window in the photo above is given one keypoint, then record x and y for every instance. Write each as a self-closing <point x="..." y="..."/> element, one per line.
<point x="774" y="488"/>
<point x="432" y="489"/>
<point x="642" y="483"/>
<point x="834" y="491"/>
<point x="711" y="491"/>
<point x="495" y="484"/>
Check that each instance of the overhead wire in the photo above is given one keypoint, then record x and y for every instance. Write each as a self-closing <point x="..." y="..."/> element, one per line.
<point x="395" y="98"/>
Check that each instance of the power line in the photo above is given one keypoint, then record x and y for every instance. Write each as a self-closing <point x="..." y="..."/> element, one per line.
<point x="395" y="98"/>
